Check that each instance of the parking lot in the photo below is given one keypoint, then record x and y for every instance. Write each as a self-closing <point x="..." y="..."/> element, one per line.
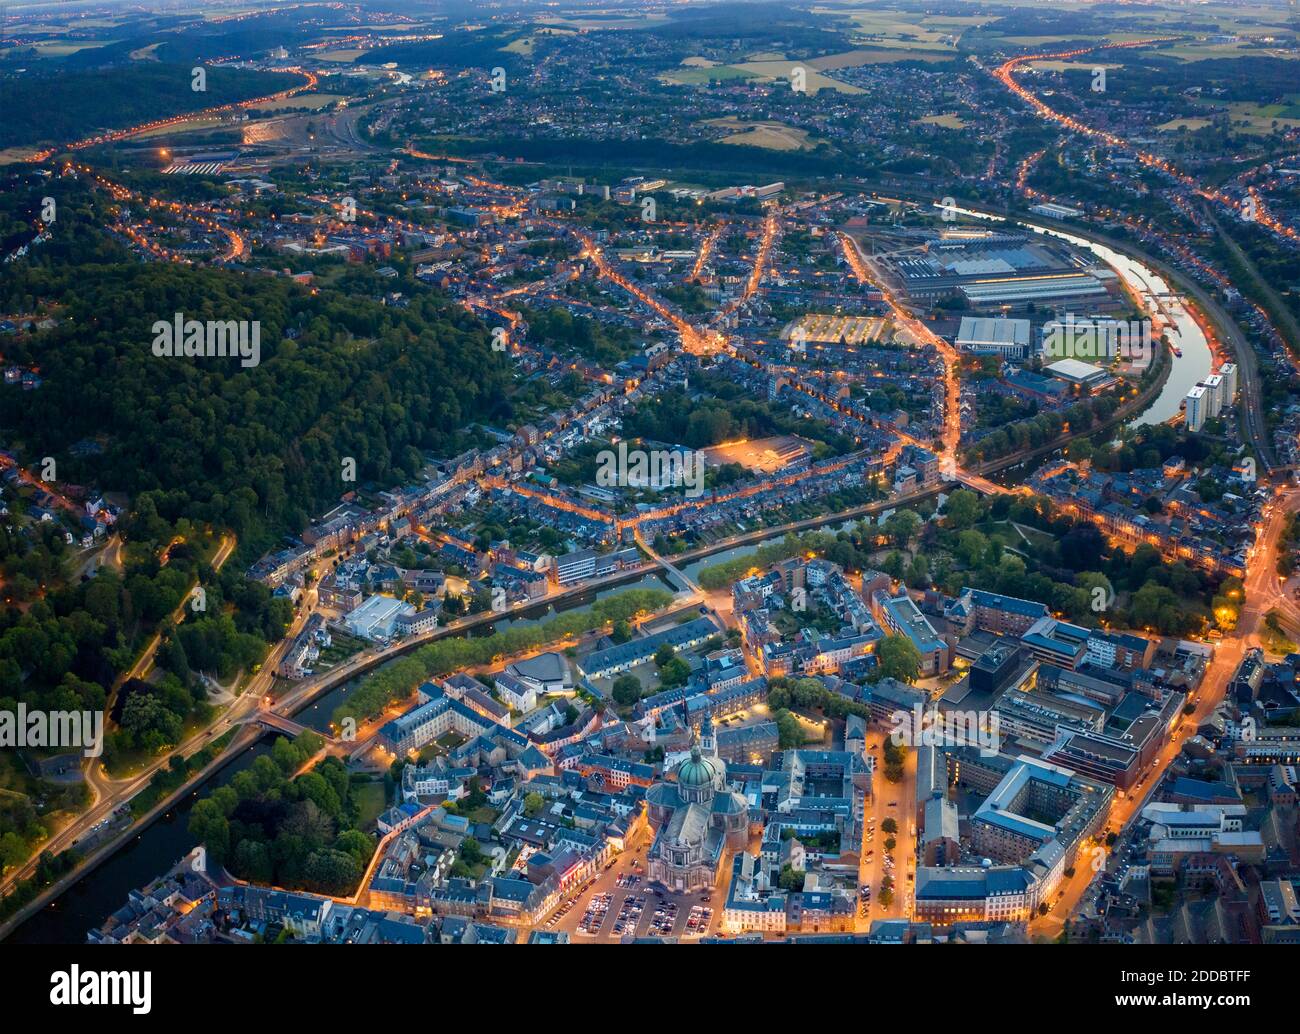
<point x="644" y="912"/>
<point x="889" y="801"/>
<point x="620" y="902"/>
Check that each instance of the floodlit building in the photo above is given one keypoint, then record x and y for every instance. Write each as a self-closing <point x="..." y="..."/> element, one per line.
<point x="1082" y="375"/>
<point x="694" y="817"/>
<point x="377" y="617"/>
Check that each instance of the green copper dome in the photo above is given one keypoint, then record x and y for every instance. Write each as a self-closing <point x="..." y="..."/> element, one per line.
<point x="696" y="771"/>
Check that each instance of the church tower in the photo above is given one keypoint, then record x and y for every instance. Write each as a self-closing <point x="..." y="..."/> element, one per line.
<point x="708" y="741"/>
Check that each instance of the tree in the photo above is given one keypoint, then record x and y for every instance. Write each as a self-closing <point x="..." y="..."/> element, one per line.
<point x="674" y="673"/>
<point x="894" y="754"/>
<point x="626" y="690"/>
<point x="308" y="742"/>
<point x="533" y="803"/>
<point x="899" y="659"/>
<point x="962" y="510"/>
<point x="285" y="754"/>
<point x="789" y="731"/>
<point x="902" y="526"/>
<point x="332" y="872"/>
<point x="893" y="565"/>
<point x="357" y="844"/>
<point x="972" y="547"/>
<point x="1089" y="582"/>
<point x="791" y="879"/>
<point x="211" y="829"/>
<point x="890" y="825"/>
<point x="1081" y="546"/>
<point x="314" y="788"/>
<point x="12" y="850"/>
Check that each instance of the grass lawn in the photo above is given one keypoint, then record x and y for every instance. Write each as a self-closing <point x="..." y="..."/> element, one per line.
<point x="342" y="647"/>
<point x="370" y="800"/>
<point x="301" y="100"/>
<point x="1035" y="538"/>
<point x="771" y="135"/>
<point x="946" y="121"/>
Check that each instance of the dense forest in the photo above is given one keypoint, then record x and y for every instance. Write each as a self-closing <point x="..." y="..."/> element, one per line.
<point x="649" y="153"/>
<point x="253" y="449"/>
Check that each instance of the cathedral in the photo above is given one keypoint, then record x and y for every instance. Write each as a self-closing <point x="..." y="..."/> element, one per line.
<point x="694" y="818"/>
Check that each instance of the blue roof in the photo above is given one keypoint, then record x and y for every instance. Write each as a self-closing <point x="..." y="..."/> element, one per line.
<point x="635" y="650"/>
<point x="1029" y="608"/>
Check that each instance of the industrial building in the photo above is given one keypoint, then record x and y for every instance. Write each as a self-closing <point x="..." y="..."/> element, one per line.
<point x="987" y="335"/>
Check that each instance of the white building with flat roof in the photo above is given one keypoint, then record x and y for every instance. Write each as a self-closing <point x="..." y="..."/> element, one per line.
<point x="1054" y="211"/>
<point x="1076" y="371"/>
<point x="993" y="335"/>
<point x="1195" y="408"/>
<point x="1228" y="371"/>
<point x="1214" y="393"/>
<point x="377" y="617"/>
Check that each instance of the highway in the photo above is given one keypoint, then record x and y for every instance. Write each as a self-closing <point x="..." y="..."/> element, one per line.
<point x="1247" y="365"/>
<point x="309" y="83"/>
<point x="1005" y="74"/>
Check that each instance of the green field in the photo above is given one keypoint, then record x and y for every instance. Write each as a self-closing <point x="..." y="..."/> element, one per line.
<point x="696" y="76"/>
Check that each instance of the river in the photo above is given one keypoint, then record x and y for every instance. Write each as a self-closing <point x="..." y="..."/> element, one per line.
<point x="155" y="849"/>
<point x="92" y="898"/>
<point x="1159" y="302"/>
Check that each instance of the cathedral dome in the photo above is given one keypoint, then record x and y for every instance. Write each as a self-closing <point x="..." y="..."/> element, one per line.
<point x="696" y="772"/>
